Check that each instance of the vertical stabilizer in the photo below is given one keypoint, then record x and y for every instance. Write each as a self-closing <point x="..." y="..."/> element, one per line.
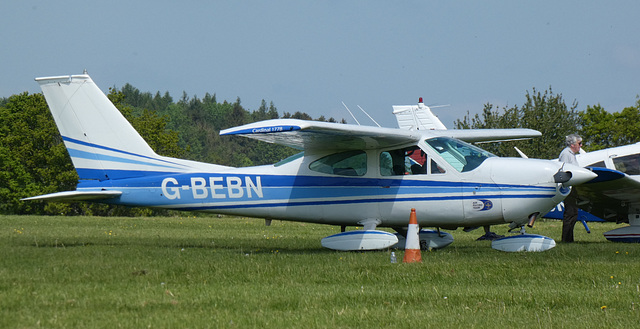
<point x="101" y="142"/>
<point x="417" y="117"/>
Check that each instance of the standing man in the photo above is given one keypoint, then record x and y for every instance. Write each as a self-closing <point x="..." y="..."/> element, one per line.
<point x="568" y="155"/>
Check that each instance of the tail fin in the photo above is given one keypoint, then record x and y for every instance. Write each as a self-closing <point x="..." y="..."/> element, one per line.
<point x="101" y="142"/>
<point x="417" y="117"/>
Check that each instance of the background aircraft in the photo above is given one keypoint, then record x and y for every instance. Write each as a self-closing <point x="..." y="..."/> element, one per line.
<point x="615" y="194"/>
<point x="347" y="175"/>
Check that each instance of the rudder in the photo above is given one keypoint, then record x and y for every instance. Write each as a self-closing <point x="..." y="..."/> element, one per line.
<point x="101" y="142"/>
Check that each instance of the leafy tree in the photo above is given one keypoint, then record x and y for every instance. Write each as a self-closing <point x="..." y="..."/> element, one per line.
<point x="297" y="115"/>
<point x="33" y="159"/>
<point x="602" y="129"/>
<point x="542" y="111"/>
<point x="596" y="127"/>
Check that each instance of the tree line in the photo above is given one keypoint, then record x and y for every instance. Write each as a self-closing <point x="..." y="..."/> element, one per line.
<point x="34" y="161"/>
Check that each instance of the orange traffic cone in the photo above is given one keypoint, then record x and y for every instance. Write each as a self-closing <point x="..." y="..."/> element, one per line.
<point x="412" y="246"/>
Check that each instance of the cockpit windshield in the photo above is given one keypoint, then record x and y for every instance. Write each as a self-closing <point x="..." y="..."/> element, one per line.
<point x="460" y="155"/>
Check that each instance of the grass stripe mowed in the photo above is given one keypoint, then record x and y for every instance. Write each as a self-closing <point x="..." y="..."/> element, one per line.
<point x="199" y="272"/>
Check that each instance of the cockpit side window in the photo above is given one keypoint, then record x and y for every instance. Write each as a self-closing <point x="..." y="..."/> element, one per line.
<point x="436" y="168"/>
<point x="405" y="161"/>
<point x="460" y="155"/>
<point x="349" y="163"/>
<point x="629" y="164"/>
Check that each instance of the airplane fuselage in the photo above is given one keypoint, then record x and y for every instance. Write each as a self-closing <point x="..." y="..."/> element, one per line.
<point x="293" y="191"/>
<point x="348" y="175"/>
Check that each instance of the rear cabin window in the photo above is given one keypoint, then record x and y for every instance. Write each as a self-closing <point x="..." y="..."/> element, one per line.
<point x="349" y="163"/>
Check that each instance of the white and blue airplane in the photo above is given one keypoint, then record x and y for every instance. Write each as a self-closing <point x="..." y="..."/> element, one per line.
<point x="346" y="175"/>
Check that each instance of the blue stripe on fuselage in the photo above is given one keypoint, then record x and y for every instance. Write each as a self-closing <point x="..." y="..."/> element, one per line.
<point x="101" y="157"/>
<point x="79" y="142"/>
<point x="238" y="191"/>
<point x="318" y="181"/>
<point x="359" y="201"/>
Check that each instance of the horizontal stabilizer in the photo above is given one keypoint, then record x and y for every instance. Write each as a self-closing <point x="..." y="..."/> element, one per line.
<point x="73" y="196"/>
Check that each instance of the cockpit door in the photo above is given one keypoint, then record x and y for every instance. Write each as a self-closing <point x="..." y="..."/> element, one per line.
<point x="418" y="178"/>
<point x="480" y="198"/>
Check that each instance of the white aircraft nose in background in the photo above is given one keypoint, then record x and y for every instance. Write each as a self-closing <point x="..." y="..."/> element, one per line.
<point x="579" y="175"/>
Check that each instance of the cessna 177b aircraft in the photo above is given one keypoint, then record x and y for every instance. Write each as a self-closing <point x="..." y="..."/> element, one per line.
<point x="347" y="175"/>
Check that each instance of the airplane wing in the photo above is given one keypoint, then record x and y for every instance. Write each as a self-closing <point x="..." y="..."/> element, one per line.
<point x="489" y="135"/>
<point x="317" y="135"/>
<point x="608" y="196"/>
<point x="420" y="117"/>
<point x="73" y="196"/>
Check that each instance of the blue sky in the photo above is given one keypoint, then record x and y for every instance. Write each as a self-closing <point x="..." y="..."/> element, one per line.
<point x="310" y="56"/>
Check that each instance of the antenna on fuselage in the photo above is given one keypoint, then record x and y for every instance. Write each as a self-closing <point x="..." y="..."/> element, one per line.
<point x="354" y="118"/>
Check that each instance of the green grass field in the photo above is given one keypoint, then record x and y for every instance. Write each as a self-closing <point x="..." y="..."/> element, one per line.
<point x="207" y="272"/>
